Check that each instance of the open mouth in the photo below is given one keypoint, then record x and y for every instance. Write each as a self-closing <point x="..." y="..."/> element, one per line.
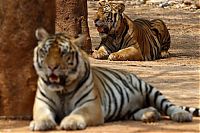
<point x="54" y="78"/>
<point x="102" y="29"/>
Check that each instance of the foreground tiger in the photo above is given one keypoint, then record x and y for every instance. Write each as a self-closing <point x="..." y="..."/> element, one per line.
<point x="75" y="95"/>
<point x="123" y="39"/>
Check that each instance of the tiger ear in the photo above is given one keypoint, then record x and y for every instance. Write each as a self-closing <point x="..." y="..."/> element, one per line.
<point x="41" y="34"/>
<point x="103" y="2"/>
<point x="121" y="7"/>
<point x="79" y="41"/>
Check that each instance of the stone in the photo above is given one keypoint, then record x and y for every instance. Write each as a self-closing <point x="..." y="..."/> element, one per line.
<point x="155" y="2"/>
<point x="188" y="2"/>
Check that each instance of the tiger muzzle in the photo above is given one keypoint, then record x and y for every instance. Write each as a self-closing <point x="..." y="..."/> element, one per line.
<point x="101" y="27"/>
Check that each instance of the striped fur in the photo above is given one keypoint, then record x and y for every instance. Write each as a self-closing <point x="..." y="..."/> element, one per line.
<point x="124" y="39"/>
<point x="75" y="95"/>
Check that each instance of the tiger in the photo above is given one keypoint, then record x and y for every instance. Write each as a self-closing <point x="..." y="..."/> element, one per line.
<point x="72" y="94"/>
<point x="123" y="39"/>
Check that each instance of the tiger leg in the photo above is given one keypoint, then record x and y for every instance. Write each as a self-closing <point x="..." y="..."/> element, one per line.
<point x="130" y="53"/>
<point x="149" y="114"/>
<point x="179" y="115"/>
<point x="165" y="54"/>
<point x="43" y="117"/>
<point x="101" y="53"/>
<point x="159" y="29"/>
<point x="165" y="44"/>
<point x="88" y="115"/>
<point x="157" y="100"/>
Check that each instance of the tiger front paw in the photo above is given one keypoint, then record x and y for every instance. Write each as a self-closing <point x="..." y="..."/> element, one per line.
<point x="42" y="125"/>
<point x="73" y="122"/>
<point x="151" y="116"/>
<point x="181" y="116"/>
<point x="114" y="57"/>
<point x="165" y="54"/>
<point x="101" y="53"/>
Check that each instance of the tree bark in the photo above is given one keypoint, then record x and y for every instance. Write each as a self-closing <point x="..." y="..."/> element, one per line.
<point x="72" y="18"/>
<point x="18" y="22"/>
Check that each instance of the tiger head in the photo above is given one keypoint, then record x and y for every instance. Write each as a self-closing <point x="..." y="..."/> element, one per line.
<point x="108" y="17"/>
<point x="57" y="59"/>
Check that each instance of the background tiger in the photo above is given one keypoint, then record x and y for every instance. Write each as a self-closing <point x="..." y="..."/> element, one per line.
<point x="75" y="95"/>
<point x="123" y="39"/>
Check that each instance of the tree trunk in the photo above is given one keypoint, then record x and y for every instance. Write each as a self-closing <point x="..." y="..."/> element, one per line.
<point x="72" y="18"/>
<point x="18" y="22"/>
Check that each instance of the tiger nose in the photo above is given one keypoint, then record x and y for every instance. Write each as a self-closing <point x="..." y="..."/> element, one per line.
<point x="96" y="22"/>
<point x="97" y="19"/>
<point x="53" y="67"/>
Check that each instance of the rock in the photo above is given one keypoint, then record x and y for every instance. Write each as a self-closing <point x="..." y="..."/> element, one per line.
<point x="155" y="2"/>
<point x="164" y="4"/>
<point x="134" y="2"/>
<point x="188" y="2"/>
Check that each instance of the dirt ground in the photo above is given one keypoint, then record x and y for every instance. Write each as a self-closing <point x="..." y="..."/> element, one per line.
<point x="176" y="77"/>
